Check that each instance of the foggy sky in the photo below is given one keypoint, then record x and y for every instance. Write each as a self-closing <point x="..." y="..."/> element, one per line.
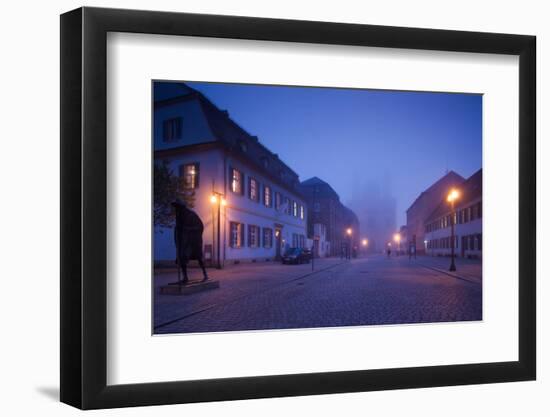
<point x="350" y="137"/>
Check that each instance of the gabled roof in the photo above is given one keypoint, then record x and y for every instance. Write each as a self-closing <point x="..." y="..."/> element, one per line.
<point x="229" y="132"/>
<point x="470" y="189"/>
<point x="166" y="90"/>
<point x="320" y="187"/>
<point x="450" y="176"/>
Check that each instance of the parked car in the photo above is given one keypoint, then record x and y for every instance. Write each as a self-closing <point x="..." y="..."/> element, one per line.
<point x="296" y="256"/>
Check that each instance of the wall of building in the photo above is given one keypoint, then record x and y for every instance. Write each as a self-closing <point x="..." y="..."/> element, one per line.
<point x="243" y="209"/>
<point x="194" y="126"/>
<point x="239" y="208"/>
<point x="424" y="206"/>
<point x="473" y="228"/>
<point x="211" y="178"/>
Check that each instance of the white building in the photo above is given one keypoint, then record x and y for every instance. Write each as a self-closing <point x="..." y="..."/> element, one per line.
<point x="225" y="170"/>
<point x="319" y="242"/>
<point x="467" y="219"/>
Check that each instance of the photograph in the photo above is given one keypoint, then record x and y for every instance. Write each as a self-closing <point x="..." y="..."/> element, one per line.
<point x="306" y="207"/>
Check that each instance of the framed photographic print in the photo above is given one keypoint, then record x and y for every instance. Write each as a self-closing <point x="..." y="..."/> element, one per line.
<point x="257" y="208"/>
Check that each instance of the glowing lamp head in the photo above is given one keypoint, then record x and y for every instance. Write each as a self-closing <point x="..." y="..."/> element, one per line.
<point x="213" y="199"/>
<point x="349" y="231"/>
<point x="397" y="237"/>
<point x="365" y="242"/>
<point x="453" y="196"/>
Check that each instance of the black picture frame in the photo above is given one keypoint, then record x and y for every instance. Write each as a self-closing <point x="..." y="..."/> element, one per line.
<point x="84" y="207"/>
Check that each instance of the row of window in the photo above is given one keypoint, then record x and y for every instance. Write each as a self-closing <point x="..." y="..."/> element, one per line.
<point x="190" y="173"/>
<point x="442" y="243"/>
<point x="461" y="216"/>
<point x="257" y="237"/>
<point x="264" y="193"/>
<point x="468" y="242"/>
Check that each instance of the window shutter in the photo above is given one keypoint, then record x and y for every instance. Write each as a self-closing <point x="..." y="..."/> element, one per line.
<point x="197" y="174"/>
<point x="178" y="127"/>
<point x="165" y="130"/>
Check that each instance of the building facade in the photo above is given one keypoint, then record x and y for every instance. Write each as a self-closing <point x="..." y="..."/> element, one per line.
<point x="424" y="206"/>
<point x="326" y="208"/>
<point x="467" y="217"/>
<point x="248" y="199"/>
<point x="319" y="241"/>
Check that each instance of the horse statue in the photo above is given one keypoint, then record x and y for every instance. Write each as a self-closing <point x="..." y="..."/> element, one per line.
<point x="188" y="239"/>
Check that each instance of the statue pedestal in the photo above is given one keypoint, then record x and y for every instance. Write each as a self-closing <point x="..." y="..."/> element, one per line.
<point x="191" y="287"/>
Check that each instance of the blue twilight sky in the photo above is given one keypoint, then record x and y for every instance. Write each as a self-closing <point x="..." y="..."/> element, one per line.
<point x="348" y="137"/>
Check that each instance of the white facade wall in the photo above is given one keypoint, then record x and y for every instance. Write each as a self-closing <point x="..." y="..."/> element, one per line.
<point x="473" y="227"/>
<point x="210" y="178"/>
<point x="320" y="235"/>
<point x="214" y="172"/>
<point x="241" y="209"/>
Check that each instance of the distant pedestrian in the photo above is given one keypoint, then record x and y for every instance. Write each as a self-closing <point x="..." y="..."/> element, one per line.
<point x="389" y="252"/>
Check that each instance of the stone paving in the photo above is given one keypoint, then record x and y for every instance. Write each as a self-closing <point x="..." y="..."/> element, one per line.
<point x="366" y="291"/>
<point x="236" y="281"/>
<point x="470" y="269"/>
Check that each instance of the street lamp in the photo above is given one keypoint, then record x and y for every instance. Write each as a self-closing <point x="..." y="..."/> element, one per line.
<point x="217" y="198"/>
<point x="451" y="198"/>
<point x="397" y="238"/>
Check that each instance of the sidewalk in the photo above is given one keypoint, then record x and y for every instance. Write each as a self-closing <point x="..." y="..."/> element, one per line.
<point x="467" y="269"/>
<point x="236" y="281"/>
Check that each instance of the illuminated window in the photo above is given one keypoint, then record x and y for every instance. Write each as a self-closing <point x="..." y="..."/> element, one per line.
<point x="295" y="209"/>
<point x="267" y="196"/>
<point x="236" y="231"/>
<point x="237" y="181"/>
<point x="302" y="213"/>
<point x="190" y="175"/>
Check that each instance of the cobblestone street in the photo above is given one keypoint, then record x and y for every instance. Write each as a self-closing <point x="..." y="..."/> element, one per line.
<point x="365" y="291"/>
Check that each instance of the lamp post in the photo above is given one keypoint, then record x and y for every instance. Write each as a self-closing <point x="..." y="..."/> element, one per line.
<point x="349" y="232"/>
<point x="217" y="198"/>
<point x="451" y="198"/>
<point x="365" y="243"/>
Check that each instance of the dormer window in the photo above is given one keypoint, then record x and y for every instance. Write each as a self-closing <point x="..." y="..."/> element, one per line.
<point x="265" y="162"/>
<point x="171" y="129"/>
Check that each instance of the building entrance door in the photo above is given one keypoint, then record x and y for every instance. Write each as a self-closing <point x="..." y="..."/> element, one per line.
<point x="278" y="242"/>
